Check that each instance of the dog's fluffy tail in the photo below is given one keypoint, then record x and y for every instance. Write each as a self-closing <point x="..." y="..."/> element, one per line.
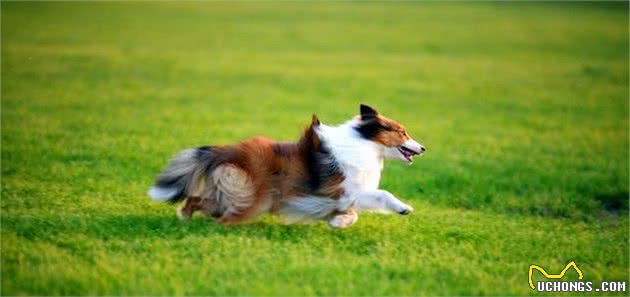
<point x="182" y="175"/>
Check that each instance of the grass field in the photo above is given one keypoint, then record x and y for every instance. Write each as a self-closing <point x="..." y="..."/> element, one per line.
<point x="523" y="108"/>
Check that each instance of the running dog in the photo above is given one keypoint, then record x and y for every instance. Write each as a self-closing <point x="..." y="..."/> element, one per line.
<point x="331" y="174"/>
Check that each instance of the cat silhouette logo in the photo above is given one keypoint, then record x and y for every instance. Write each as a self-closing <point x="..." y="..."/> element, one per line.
<point x="553" y="276"/>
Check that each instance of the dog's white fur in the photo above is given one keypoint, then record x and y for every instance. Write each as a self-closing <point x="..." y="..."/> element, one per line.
<point x="361" y="162"/>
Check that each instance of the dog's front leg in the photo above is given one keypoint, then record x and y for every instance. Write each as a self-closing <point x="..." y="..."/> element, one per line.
<point x="343" y="219"/>
<point x="381" y="201"/>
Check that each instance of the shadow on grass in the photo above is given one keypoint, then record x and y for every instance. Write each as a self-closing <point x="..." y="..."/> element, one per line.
<point x="61" y="230"/>
<point x="125" y="227"/>
<point x="613" y="202"/>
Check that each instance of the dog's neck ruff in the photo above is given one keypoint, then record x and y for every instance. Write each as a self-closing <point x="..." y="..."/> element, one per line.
<point x="360" y="159"/>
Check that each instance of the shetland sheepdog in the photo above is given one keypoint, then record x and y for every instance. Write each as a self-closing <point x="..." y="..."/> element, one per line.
<point x="331" y="174"/>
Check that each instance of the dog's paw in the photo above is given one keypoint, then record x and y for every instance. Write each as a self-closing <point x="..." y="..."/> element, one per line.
<point x="405" y="209"/>
<point x="183" y="215"/>
<point x="343" y="221"/>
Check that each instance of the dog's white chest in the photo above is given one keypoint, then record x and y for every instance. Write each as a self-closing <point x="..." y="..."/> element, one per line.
<point x="363" y="178"/>
<point x="359" y="179"/>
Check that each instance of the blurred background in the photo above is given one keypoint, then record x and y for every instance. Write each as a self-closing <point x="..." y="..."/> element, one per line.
<point x="523" y="108"/>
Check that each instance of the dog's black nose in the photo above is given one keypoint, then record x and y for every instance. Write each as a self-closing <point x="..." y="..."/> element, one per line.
<point x="423" y="149"/>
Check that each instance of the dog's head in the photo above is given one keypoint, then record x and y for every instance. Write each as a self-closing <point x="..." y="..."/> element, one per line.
<point x="388" y="133"/>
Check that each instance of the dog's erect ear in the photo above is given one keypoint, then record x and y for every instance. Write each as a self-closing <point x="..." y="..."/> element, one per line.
<point x="315" y="121"/>
<point x="368" y="112"/>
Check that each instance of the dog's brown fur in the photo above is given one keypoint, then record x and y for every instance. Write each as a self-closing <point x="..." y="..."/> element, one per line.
<point x="261" y="174"/>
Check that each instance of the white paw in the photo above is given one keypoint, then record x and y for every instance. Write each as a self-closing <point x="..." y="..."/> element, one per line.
<point x="404" y="209"/>
<point x="342" y="221"/>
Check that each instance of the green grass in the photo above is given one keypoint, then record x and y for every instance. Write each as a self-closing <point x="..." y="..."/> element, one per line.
<point x="523" y="108"/>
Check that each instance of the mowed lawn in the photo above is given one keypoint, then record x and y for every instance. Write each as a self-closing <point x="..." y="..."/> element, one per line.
<point x="523" y="108"/>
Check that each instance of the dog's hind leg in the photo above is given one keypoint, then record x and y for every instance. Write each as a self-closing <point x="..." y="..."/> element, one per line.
<point x="208" y="207"/>
<point x="258" y="203"/>
<point x="191" y="205"/>
<point x="236" y="194"/>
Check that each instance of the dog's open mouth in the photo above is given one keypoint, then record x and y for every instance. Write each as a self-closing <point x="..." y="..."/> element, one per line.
<point x="408" y="153"/>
